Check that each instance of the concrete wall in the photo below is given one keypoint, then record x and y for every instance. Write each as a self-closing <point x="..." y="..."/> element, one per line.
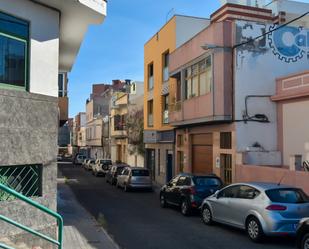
<point x="295" y="130"/>
<point x="187" y="27"/>
<point x="27" y="138"/>
<point x="257" y="65"/>
<point x="249" y="173"/>
<point x="44" y="44"/>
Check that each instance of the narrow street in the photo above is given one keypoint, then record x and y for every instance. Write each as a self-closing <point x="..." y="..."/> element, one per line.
<point x="136" y="221"/>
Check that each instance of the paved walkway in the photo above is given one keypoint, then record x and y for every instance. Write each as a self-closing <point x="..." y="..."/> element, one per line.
<point x="81" y="231"/>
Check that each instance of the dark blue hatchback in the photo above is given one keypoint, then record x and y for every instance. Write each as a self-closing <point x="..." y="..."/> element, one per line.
<point x="188" y="191"/>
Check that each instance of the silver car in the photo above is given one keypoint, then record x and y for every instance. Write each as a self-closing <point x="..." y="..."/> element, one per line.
<point x="259" y="208"/>
<point x="135" y="177"/>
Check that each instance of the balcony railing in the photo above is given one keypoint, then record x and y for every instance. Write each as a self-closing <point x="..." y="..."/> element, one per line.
<point x="175" y="107"/>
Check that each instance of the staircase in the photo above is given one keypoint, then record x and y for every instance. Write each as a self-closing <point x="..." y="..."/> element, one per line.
<point x="6" y="243"/>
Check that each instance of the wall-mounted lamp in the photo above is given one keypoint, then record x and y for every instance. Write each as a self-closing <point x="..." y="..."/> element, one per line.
<point x="207" y="46"/>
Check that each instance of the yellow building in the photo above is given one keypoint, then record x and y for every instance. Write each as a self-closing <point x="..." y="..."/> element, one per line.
<point x="159" y="92"/>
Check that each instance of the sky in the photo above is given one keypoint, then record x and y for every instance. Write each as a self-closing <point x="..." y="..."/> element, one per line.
<point x="115" y="49"/>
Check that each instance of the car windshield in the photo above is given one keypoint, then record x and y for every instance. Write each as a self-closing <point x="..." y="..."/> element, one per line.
<point x="290" y="195"/>
<point x="206" y="181"/>
<point x="140" y="172"/>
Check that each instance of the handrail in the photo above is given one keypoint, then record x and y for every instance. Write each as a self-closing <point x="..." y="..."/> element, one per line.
<point x="40" y="207"/>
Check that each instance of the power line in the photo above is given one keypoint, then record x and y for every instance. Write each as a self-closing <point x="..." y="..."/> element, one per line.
<point x="270" y="31"/>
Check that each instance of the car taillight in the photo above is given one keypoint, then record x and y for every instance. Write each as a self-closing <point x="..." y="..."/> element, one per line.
<point x="192" y="191"/>
<point x="276" y="208"/>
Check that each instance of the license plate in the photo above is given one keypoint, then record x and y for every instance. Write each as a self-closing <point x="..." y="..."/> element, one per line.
<point x="295" y="226"/>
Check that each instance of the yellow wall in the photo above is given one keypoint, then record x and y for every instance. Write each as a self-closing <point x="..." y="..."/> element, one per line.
<point x="162" y="41"/>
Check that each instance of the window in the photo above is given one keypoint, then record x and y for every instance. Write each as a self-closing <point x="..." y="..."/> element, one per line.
<point x="183" y="181"/>
<point x="14" y="35"/>
<point x="165" y="108"/>
<point x="246" y="192"/>
<point x="140" y="172"/>
<point x="62" y="88"/>
<point x="150" y="113"/>
<point x="225" y="140"/>
<point x="198" y="78"/>
<point x="165" y="63"/>
<point x="25" y="179"/>
<point x="288" y="195"/>
<point x="150" y="76"/>
<point x="230" y="192"/>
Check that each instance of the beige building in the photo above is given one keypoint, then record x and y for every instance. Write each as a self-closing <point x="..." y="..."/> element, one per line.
<point x="123" y="104"/>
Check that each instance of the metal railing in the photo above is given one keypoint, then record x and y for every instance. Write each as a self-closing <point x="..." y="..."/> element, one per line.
<point x="44" y="209"/>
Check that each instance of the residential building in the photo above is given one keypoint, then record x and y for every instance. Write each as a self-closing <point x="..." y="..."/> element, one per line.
<point x="224" y="111"/>
<point x="160" y="90"/>
<point x="97" y="107"/>
<point x="121" y="103"/>
<point x="80" y="131"/>
<point x="39" y="39"/>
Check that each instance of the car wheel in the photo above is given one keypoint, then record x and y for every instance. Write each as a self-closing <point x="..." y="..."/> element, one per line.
<point x="163" y="203"/>
<point x="206" y="215"/>
<point x="305" y="242"/>
<point x="254" y="230"/>
<point x="185" y="208"/>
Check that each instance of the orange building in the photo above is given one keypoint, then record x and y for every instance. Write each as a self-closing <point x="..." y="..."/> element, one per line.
<point x="160" y="92"/>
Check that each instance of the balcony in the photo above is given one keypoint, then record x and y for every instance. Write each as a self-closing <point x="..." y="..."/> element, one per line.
<point x="63" y="105"/>
<point x="119" y="133"/>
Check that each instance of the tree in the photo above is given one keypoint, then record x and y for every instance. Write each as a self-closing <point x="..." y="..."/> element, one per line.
<point x="135" y="131"/>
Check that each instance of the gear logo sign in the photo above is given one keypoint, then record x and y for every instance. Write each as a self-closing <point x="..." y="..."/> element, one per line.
<point x="289" y="44"/>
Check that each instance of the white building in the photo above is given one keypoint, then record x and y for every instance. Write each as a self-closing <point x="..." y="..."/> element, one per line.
<point x="38" y="40"/>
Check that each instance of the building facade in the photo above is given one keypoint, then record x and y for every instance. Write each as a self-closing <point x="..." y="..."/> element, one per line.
<point x="224" y="98"/>
<point x="160" y="91"/>
<point x="34" y="38"/>
<point x="123" y="105"/>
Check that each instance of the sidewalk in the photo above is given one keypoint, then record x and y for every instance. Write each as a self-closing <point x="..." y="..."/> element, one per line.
<point x="80" y="230"/>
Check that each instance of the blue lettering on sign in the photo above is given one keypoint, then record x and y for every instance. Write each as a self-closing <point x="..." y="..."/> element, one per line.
<point x="289" y="44"/>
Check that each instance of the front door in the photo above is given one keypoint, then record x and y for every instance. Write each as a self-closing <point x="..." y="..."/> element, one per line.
<point x="151" y="162"/>
<point x="169" y="166"/>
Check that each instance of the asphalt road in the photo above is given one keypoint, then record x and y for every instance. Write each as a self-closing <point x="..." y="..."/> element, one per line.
<point x="136" y="221"/>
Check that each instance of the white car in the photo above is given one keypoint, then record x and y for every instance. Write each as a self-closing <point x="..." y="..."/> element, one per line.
<point x="89" y="163"/>
<point x="101" y="167"/>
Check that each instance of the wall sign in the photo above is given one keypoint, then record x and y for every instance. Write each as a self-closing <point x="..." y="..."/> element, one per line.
<point x="289" y="44"/>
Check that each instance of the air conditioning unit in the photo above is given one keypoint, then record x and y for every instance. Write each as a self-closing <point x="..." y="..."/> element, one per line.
<point x="253" y="3"/>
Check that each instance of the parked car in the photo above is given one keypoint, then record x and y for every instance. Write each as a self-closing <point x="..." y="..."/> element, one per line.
<point x="101" y="167"/>
<point x="85" y="161"/>
<point x="188" y="191"/>
<point x="134" y="178"/>
<point x="78" y="159"/>
<point x="302" y="238"/>
<point x="259" y="208"/>
<point x="115" y="170"/>
<point x="89" y="163"/>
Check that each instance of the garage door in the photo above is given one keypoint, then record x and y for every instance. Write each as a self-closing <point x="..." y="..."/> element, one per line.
<point x="202" y="154"/>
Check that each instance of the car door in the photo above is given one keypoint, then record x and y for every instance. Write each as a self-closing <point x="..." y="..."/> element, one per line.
<point x="179" y="189"/>
<point x="222" y="204"/>
<point x="169" y="189"/>
<point x="121" y="176"/>
<point x="241" y="205"/>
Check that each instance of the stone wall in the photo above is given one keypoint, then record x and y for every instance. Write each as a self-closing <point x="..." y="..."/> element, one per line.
<point x="28" y="135"/>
